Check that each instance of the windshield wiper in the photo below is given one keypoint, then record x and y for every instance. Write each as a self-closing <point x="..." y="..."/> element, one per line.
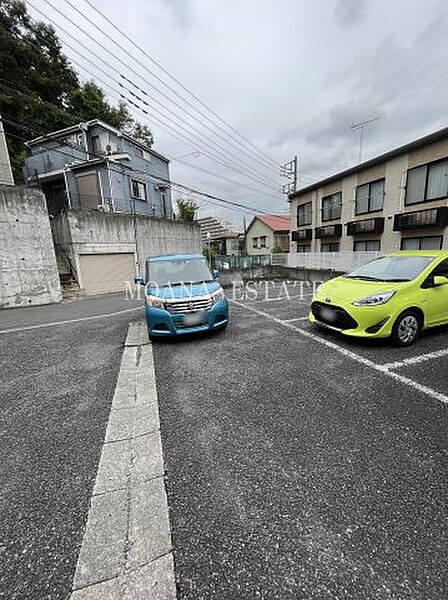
<point x="363" y="277"/>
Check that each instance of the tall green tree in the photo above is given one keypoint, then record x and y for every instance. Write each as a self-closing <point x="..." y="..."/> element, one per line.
<point x="40" y="88"/>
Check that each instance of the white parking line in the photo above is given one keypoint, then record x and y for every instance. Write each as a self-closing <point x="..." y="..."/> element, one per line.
<point x="297" y="319"/>
<point x="413" y="360"/>
<point x="54" y="323"/>
<point x="360" y="359"/>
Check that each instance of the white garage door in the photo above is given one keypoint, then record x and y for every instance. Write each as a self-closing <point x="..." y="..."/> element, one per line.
<point x="106" y="272"/>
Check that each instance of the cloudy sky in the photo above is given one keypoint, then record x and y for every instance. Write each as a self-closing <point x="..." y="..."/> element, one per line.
<point x="290" y="76"/>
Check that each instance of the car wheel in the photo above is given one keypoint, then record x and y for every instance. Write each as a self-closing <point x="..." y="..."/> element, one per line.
<point x="406" y="328"/>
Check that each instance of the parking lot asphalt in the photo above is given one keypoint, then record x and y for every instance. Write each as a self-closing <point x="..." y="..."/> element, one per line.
<point x="301" y="464"/>
<point x="56" y="389"/>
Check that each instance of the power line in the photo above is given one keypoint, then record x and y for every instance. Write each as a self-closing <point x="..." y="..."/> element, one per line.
<point x="53" y="106"/>
<point x="123" y="169"/>
<point x="236" y="167"/>
<point x="145" y="53"/>
<point x="126" y="64"/>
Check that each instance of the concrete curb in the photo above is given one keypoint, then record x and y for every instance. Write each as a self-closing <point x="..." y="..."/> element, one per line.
<point x="126" y="552"/>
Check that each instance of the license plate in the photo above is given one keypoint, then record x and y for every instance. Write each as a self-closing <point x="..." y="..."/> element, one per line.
<point x="195" y="318"/>
<point x="328" y="314"/>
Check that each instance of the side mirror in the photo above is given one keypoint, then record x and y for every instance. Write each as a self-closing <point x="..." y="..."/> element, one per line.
<point x="138" y="280"/>
<point x="215" y="273"/>
<point x="440" y="280"/>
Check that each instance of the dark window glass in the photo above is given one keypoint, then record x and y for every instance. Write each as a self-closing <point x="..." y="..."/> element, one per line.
<point x="427" y="182"/>
<point x="331" y="207"/>
<point x="304" y="214"/>
<point x="370" y="197"/>
<point x="367" y="246"/>
<point x="423" y="243"/>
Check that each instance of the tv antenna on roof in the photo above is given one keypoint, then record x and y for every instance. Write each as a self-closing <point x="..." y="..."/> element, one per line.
<point x="361" y="126"/>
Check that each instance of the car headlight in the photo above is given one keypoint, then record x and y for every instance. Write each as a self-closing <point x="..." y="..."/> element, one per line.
<point x="375" y="299"/>
<point x="155" y="302"/>
<point x="218" y="295"/>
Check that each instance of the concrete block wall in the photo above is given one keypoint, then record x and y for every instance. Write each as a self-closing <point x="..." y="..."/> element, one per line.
<point x="79" y="232"/>
<point x="28" y="270"/>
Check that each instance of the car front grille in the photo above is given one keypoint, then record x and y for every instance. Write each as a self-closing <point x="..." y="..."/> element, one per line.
<point x="342" y="319"/>
<point x="180" y="307"/>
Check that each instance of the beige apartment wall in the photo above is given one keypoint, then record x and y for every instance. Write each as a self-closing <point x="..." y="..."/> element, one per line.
<point x="394" y="172"/>
<point x="432" y="152"/>
<point x="258" y="229"/>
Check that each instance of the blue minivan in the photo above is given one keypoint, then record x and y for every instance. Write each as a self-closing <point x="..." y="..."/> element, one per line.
<point x="182" y="295"/>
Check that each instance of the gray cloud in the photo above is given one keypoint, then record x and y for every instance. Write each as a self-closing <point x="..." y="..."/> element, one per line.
<point x="292" y="77"/>
<point x="349" y="12"/>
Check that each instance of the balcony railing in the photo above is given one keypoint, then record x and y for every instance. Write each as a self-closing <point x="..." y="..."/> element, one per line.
<point x="302" y="235"/>
<point x="375" y="225"/>
<point x="328" y="231"/>
<point x="433" y="217"/>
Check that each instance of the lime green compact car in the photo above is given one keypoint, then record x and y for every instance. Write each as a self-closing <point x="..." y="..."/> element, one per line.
<point x="394" y="296"/>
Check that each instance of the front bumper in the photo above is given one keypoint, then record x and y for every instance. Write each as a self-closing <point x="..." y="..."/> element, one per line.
<point x="162" y="323"/>
<point x="368" y="322"/>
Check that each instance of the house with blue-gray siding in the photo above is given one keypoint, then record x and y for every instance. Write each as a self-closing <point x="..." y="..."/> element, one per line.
<point x="92" y="165"/>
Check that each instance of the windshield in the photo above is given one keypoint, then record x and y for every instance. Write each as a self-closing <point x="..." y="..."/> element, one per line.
<point x="392" y="268"/>
<point x="175" y="272"/>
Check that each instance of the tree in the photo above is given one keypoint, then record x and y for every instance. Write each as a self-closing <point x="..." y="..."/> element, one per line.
<point x="187" y="209"/>
<point x="142" y="133"/>
<point x="40" y="89"/>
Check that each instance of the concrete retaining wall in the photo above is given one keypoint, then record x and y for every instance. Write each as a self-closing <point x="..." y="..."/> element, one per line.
<point x="77" y="232"/>
<point x="228" y="277"/>
<point x="28" y="271"/>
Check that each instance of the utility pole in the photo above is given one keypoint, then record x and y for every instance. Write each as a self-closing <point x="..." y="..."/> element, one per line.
<point x="289" y="170"/>
<point x="361" y="126"/>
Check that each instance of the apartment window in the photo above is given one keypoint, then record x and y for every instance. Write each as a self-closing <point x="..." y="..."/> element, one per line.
<point x="304" y="248"/>
<point x="367" y="246"/>
<point x="263" y="241"/>
<point x="163" y="203"/>
<point x="138" y="189"/>
<point x="96" y="144"/>
<point x="422" y="243"/>
<point x="428" y="182"/>
<point x="254" y="242"/>
<point x="331" y="207"/>
<point x="304" y="214"/>
<point x="370" y="197"/>
<point x="330" y="247"/>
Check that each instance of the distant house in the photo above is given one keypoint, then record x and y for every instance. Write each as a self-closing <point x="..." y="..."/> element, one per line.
<point x="267" y="234"/>
<point x="222" y="235"/>
<point x="95" y="166"/>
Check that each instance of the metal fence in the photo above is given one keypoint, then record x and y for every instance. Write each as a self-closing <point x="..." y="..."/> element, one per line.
<point x="333" y="261"/>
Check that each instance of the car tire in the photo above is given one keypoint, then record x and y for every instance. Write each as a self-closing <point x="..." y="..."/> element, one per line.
<point x="406" y="328"/>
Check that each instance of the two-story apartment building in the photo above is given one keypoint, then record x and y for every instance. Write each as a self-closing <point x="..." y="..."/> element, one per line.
<point x="396" y="201"/>
<point x="92" y="165"/>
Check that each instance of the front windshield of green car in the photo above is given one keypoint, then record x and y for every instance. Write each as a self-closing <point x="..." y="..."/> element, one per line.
<point x="178" y="272"/>
<point x="391" y="268"/>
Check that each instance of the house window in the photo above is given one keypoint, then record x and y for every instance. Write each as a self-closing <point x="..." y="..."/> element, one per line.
<point x="163" y="203"/>
<point x="263" y="242"/>
<point x="422" y="243"/>
<point x="428" y="182"/>
<point x="369" y="197"/>
<point x="367" y="246"/>
<point x="303" y="248"/>
<point x="330" y="247"/>
<point x="96" y="144"/>
<point x="138" y="189"/>
<point x="254" y="242"/>
<point x="331" y="207"/>
<point x="304" y="214"/>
